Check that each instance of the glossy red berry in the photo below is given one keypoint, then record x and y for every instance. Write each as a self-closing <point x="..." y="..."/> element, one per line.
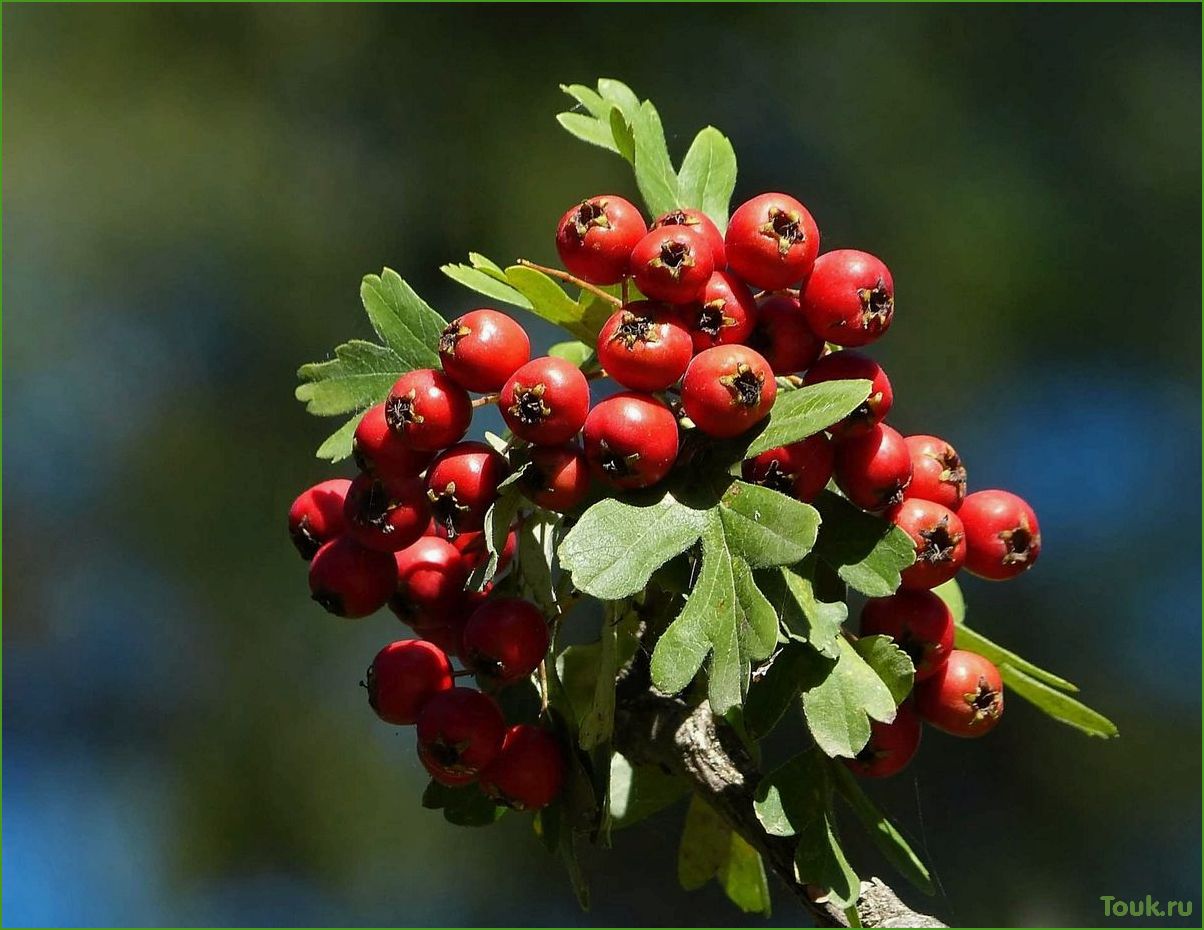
<point x="316" y="516"/>
<point x="964" y="697"/>
<point x="853" y="366"/>
<point x="937" y="473"/>
<point x="873" y="469"/>
<point x="919" y="622"/>
<point x="545" y="401"/>
<point x="556" y="478"/>
<point x="783" y="336"/>
<point x="461" y="484"/>
<point x="595" y="238"/>
<point x="430" y="577"/>
<point x="529" y="771"/>
<point x="505" y="639"/>
<point x="447" y="636"/>
<point x="672" y="264"/>
<point x="403" y="677"/>
<point x="725" y="314"/>
<point x="428" y="410"/>
<point x="800" y="470"/>
<point x="727" y="390"/>
<point x="631" y="440"/>
<point x="939" y="539"/>
<point x="644" y="346"/>
<point x="459" y="733"/>
<point x="701" y="224"/>
<point x="849" y="299"/>
<point x="482" y="348"/>
<point x="472" y="547"/>
<point x="350" y="580"/>
<point x="386" y="513"/>
<point x="891" y="745"/>
<point x="1003" y="538"/>
<point x="772" y="241"/>
<point x="380" y="451"/>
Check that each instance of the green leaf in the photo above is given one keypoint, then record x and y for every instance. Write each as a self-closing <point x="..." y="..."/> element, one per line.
<point x="464" y="807"/>
<point x="765" y="527"/>
<point x="973" y="641"/>
<point x="654" y="174"/>
<point x="578" y="353"/>
<point x="619" y="94"/>
<point x="807" y="411"/>
<point x="1060" y="706"/>
<point x="536" y="556"/>
<point x="598" y="720"/>
<point x="582" y="318"/>
<point x="776" y="687"/>
<point x="337" y="446"/>
<point x="889" y="662"/>
<point x="708" y="175"/>
<point x="866" y="551"/>
<point x="756" y="622"/>
<point x="838" y="708"/>
<point x="589" y="129"/>
<point x="402" y="319"/>
<point x="359" y="376"/>
<point x="588" y="98"/>
<point x="710" y="849"/>
<point x="639" y="791"/>
<point x="483" y="282"/>
<point x="792" y="594"/>
<point x="620" y="131"/>
<point x="498" y="520"/>
<point x="951" y="593"/>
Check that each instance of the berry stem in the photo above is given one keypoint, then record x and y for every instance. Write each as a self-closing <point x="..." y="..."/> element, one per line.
<point x="543" y="688"/>
<point x="573" y="280"/>
<point x="462" y="673"/>
<point x="486" y="399"/>
<point x="625" y="280"/>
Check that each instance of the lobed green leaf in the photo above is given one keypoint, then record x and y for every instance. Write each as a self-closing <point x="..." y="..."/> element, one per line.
<point x="359" y="376"/>
<point x="889" y="662"/>
<point x="639" y="791"/>
<point x="765" y="527"/>
<point x="711" y="849"/>
<point x="809" y="410"/>
<point x="403" y="320"/>
<point x="839" y="707"/>
<point x="867" y="552"/>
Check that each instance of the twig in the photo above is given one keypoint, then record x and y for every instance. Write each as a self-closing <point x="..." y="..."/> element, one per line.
<point x="486" y="399"/>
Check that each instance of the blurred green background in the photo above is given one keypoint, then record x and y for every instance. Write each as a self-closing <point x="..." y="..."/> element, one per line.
<point x="191" y="195"/>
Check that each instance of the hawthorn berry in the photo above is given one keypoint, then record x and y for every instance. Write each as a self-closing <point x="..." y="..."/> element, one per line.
<point x="556" y="477"/>
<point x="891" y="745"/>
<point x="316" y="516"/>
<point x="772" y="241"/>
<point x="631" y="440"/>
<point x="939" y="538"/>
<point x="800" y="470"/>
<point x="428" y="410"/>
<point x="447" y="636"/>
<point x="460" y="732"/>
<point x="937" y="473"/>
<point x="964" y="697"/>
<point x="545" y="401"/>
<point x="482" y="348"/>
<point x="851" y="365"/>
<point x="462" y="483"/>
<point x="403" y="677"/>
<point x="672" y="264"/>
<point x="701" y="224"/>
<point x="430" y="577"/>
<point x="873" y="468"/>
<point x="528" y="773"/>
<point x="919" y="622"/>
<point x="644" y="346"/>
<point x="783" y="336"/>
<point x="350" y="580"/>
<point x="1003" y="538"/>
<point x="849" y="299"/>
<point x="505" y="639"/>
<point x="386" y="513"/>
<point x="472" y="547"/>
<point x="725" y="314"/>
<point x="595" y="238"/>
<point x="727" y="390"/>
<point x="380" y="451"/>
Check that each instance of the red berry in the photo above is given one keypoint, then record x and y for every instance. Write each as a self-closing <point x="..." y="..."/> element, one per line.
<point x="472" y="547"/>
<point x="964" y="697"/>
<point x="936" y="472"/>
<point x="631" y="440"/>
<point x="1003" y="538"/>
<point x="529" y="771"/>
<point x="482" y="348"/>
<point x="403" y="677"/>
<point x="428" y="410"/>
<point x="783" y="336"/>
<point x="644" y="346"/>
<point x="891" y="745"/>
<point x="939" y="539"/>
<point x="701" y="224"/>
<point x="850" y="298"/>
<point x="545" y="401"/>
<point x="726" y="313"/>
<point x="853" y="366"/>
<point x="461" y="485"/>
<point x="800" y="470"/>
<point x="349" y="580"/>
<point x="595" y="238"/>
<point x="919" y="622"/>
<point x="430" y="577"/>
<point x="380" y="451"/>
<point x="386" y="513"/>
<point x="505" y="639"/>
<point x="447" y="636"/>
<point x="557" y="477"/>
<point x="672" y="264"/>
<point x="727" y="390"/>
<point x="459" y="733"/>
<point x="316" y="516"/>
<point x="772" y="241"/>
<point x="874" y="468"/>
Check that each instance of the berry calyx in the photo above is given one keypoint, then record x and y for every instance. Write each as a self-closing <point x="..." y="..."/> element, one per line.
<point x="460" y="732"/>
<point x="380" y="451"/>
<point x="403" y="677"/>
<point x="482" y="348"/>
<point x="644" y="346"/>
<point x="1003" y="538"/>
<point x="700" y="223"/>
<point x="919" y="622"/>
<point x="849" y="299"/>
<point x="350" y="580"/>
<point x="316" y="516"/>
<point x="594" y="239"/>
<point x="783" y="336"/>
<point x="386" y="513"/>
<point x="964" y="697"/>
<point x="800" y="470"/>
<point x="430" y="578"/>
<point x="851" y="365"/>
<point x="556" y="477"/>
<point x="461" y="484"/>
<point x="939" y="538"/>
<point x="891" y="745"/>
<point x="772" y="241"/>
<point x="630" y="440"/>
<point x="545" y="401"/>
<point x="873" y="469"/>
<point x="428" y="410"/>
<point x="672" y="264"/>
<point x="937" y="473"/>
<point x="505" y="639"/>
<point x="725" y="314"/>
<point x="727" y="390"/>
<point x="528" y="773"/>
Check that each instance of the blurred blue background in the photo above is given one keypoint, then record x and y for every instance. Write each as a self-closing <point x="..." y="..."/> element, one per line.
<point x="191" y="195"/>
